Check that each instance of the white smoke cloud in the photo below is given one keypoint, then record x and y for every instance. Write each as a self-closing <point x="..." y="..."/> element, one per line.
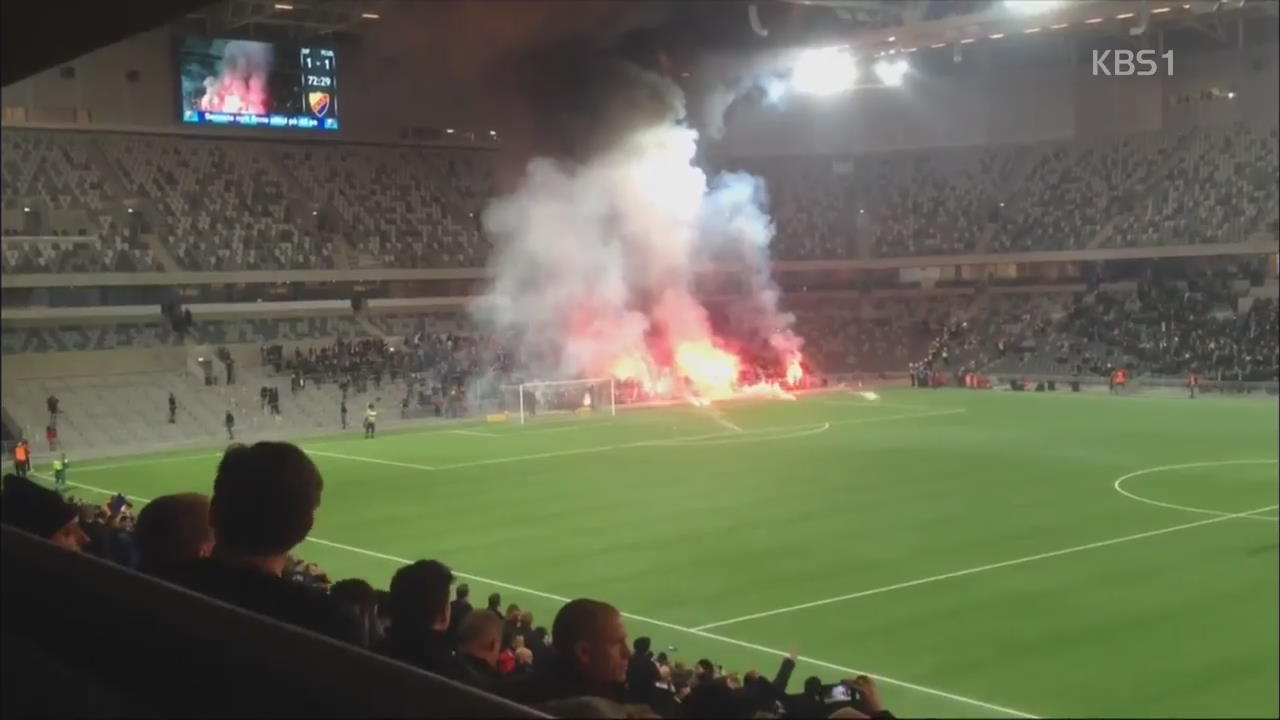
<point x="597" y="261"/>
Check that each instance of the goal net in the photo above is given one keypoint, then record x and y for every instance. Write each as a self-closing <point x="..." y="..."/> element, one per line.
<point x="593" y="397"/>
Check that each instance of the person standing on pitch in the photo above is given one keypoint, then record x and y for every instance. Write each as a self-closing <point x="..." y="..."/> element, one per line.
<point x="342" y="411"/>
<point x="173" y="409"/>
<point x="370" y="421"/>
<point x="1193" y="384"/>
<point x="22" y="458"/>
<point x="60" y="465"/>
<point x="230" y="422"/>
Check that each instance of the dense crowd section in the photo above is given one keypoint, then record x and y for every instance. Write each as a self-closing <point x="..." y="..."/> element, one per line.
<point x="1208" y="323"/>
<point x="1206" y="185"/>
<point x="242" y="205"/>
<point x="237" y="546"/>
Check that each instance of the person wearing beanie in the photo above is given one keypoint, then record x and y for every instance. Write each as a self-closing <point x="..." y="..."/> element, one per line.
<point x="41" y="512"/>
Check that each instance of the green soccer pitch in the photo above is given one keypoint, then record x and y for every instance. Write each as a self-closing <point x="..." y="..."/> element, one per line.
<point x="981" y="554"/>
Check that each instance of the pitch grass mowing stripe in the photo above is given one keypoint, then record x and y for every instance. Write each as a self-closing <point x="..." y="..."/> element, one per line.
<point x="984" y="568"/>
<point x="651" y="621"/>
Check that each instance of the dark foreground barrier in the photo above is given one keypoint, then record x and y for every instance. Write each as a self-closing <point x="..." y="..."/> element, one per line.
<point x="83" y="637"/>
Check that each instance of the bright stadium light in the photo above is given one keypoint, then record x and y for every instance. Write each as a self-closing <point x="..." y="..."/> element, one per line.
<point x="1031" y="7"/>
<point x="891" y="72"/>
<point x="824" y="71"/>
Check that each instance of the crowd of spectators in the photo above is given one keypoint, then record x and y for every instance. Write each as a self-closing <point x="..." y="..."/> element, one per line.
<point x="235" y="547"/>
<point x="238" y="205"/>
<point x="433" y="368"/>
<point x="1204" y="322"/>
<point x="1217" y="191"/>
<point x="401" y="207"/>
<point x="1175" y="328"/>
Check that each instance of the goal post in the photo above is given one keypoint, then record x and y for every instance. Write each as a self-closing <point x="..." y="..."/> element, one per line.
<point x="530" y="400"/>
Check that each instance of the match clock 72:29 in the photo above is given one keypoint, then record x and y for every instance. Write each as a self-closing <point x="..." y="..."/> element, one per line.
<point x="319" y="79"/>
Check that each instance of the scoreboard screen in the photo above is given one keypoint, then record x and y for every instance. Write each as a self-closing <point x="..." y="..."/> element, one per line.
<point x="257" y="84"/>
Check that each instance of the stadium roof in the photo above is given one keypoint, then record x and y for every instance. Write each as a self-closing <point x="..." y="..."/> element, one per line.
<point x="289" y="19"/>
<point x="873" y="25"/>
<point x="38" y="35"/>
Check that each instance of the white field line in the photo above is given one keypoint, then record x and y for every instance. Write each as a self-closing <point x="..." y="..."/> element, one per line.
<point x="695" y="631"/>
<point x="1204" y="511"/>
<point x="982" y="568"/>
<point x="620" y="446"/>
<point x="732" y="440"/>
<point x="639" y="618"/>
<point x="473" y="433"/>
<point x="432" y="431"/>
<point x="375" y="461"/>
<point x="692" y="631"/>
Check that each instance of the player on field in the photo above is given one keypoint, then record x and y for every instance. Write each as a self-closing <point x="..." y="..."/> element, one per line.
<point x="230" y="422"/>
<point x="342" y="411"/>
<point x="1193" y="384"/>
<point x="370" y="421"/>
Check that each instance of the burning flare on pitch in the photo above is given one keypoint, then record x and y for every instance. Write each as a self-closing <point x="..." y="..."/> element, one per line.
<point x="596" y="267"/>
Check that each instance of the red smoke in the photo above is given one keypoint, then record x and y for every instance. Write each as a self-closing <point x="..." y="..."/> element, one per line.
<point x="242" y="85"/>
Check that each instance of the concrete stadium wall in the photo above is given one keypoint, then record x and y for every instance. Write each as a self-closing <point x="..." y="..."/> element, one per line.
<point x="105" y="363"/>
<point x="43" y="366"/>
<point x="101" y="88"/>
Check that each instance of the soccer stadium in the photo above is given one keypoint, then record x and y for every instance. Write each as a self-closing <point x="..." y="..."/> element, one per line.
<point x="775" y="358"/>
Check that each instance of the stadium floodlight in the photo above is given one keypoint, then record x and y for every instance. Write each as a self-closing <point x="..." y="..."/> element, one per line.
<point x="1031" y="7"/>
<point x="824" y="71"/>
<point x="891" y="72"/>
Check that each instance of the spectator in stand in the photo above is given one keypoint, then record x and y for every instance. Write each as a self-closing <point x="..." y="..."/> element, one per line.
<point x="524" y="662"/>
<point x="419" y="605"/>
<point x="539" y="645"/>
<point x="495" y="605"/>
<point x="509" y="624"/>
<point x="359" y="600"/>
<point x="265" y="498"/>
<point x="459" y="609"/>
<point x="719" y="695"/>
<point x="173" y="531"/>
<point x="642" y="673"/>
<point x="662" y="697"/>
<point x="479" y="644"/>
<point x="507" y="658"/>
<point x="42" y="512"/>
<point x="808" y="702"/>
<point x="590" y="655"/>
<point x="524" y="629"/>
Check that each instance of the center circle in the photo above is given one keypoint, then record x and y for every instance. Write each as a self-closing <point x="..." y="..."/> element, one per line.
<point x="1119" y="486"/>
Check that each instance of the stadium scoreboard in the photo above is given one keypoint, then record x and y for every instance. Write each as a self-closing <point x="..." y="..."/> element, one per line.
<point x="249" y="83"/>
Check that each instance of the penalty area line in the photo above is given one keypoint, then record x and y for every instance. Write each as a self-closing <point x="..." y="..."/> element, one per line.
<point x="981" y="568"/>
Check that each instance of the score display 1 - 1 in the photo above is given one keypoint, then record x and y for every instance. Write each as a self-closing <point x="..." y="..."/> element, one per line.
<point x="318" y="80"/>
<point x="249" y="83"/>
